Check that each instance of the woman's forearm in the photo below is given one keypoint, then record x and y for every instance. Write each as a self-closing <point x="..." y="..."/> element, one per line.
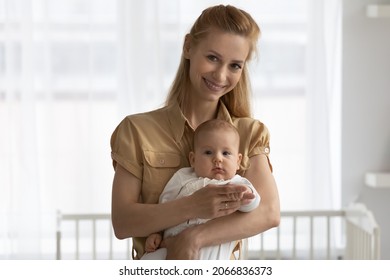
<point x="242" y="225"/>
<point x="131" y="218"/>
<point x="220" y="230"/>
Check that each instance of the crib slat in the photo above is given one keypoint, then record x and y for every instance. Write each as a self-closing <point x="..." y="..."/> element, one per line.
<point x="58" y="236"/>
<point x="58" y="245"/>
<point x="376" y="246"/>
<point x="294" y="237"/>
<point x="278" y="254"/>
<point x="94" y="239"/>
<point x="328" y="225"/>
<point x="77" y="240"/>
<point x="128" y="248"/>
<point x="110" y="256"/>
<point x="262" y="253"/>
<point x="311" y="238"/>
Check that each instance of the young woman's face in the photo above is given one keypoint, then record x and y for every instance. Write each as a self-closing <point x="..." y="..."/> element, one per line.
<point x="216" y="64"/>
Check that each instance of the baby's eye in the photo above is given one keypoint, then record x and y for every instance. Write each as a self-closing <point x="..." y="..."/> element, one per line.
<point x="227" y="153"/>
<point x="207" y="152"/>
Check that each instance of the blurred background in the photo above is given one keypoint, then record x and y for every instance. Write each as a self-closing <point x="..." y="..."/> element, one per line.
<point x="70" y="71"/>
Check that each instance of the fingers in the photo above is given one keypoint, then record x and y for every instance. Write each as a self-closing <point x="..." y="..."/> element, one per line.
<point x="215" y="201"/>
<point x="163" y="243"/>
<point x="229" y="192"/>
<point x="248" y="196"/>
<point x="229" y="189"/>
<point x="153" y="242"/>
<point x="228" y="207"/>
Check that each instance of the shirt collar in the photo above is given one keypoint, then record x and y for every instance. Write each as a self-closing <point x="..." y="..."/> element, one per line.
<point x="178" y="121"/>
<point x="223" y="113"/>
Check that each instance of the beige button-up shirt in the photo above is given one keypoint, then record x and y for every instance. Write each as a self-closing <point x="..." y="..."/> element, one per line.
<point x="154" y="145"/>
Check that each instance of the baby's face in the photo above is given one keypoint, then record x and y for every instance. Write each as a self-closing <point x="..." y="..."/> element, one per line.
<point x="216" y="155"/>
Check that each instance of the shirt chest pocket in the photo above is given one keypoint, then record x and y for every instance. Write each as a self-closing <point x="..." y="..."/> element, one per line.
<point x="158" y="169"/>
<point x="162" y="160"/>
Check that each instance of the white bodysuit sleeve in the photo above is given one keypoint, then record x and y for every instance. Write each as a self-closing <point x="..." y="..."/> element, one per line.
<point x="254" y="202"/>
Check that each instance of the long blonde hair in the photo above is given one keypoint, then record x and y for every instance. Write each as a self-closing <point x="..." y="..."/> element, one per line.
<point x="227" y="19"/>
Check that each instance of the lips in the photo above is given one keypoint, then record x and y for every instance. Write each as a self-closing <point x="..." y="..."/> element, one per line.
<point x="213" y="86"/>
<point x="218" y="170"/>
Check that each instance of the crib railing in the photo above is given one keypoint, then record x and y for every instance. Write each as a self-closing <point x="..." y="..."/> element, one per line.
<point x="335" y="234"/>
<point x="323" y="234"/>
<point x="88" y="230"/>
<point x="363" y="234"/>
<point x="288" y="229"/>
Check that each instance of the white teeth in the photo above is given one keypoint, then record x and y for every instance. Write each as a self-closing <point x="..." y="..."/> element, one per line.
<point x="212" y="85"/>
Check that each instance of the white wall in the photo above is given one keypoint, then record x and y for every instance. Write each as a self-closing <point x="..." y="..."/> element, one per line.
<point x="366" y="110"/>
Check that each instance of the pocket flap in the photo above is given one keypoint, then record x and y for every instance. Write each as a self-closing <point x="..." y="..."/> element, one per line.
<point x="158" y="159"/>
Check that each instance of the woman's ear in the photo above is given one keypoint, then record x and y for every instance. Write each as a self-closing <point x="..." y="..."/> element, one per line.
<point x="187" y="46"/>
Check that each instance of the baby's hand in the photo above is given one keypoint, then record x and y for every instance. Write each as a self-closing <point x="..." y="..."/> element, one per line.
<point x="245" y="195"/>
<point x="153" y="242"/>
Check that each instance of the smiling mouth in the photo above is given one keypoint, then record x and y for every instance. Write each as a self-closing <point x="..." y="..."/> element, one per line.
<point x="212" y="86"/>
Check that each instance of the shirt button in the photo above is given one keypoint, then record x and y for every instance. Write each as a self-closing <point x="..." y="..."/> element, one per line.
<point x="161" y="161"/>
<point x="266" y="150"/>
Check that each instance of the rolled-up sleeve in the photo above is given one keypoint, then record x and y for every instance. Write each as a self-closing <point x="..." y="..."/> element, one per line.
<point x="125" y="148"/>
<point x="254" y="139"/>
<point x="260" y="140"/>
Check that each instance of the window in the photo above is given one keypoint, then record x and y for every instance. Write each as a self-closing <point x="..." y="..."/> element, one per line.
<point x="71" y="70"/>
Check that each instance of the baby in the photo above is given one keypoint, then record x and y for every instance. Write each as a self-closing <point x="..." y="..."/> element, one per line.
<point x="215" y="159"/>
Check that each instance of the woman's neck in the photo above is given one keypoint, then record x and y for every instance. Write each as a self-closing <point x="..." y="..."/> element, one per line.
<point x="199" y="112"/>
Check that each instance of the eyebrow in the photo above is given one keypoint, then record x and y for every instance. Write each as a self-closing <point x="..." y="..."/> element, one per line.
<point x="219" y="55"/>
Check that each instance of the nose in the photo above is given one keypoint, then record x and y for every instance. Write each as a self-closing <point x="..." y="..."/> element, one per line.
<point x="217" y="158"/>
<point x="220" y="74"/>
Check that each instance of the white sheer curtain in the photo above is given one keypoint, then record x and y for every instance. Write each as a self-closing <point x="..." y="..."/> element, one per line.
<point x="71" y="70"/>
<point x="323" y="99"/>
<point x="20" y="181"/>
<point x="59" y="85"/>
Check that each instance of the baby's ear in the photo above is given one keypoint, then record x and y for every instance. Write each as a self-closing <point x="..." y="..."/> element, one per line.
<point x="239" y="161"/>
<point x="192" y="158"/>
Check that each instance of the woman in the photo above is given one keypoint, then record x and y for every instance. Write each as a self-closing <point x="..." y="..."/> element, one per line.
<point x="148" y="148"/>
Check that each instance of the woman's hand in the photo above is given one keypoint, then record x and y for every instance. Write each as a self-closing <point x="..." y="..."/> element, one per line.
<point x="214" y="201"/>
<point x="182" y="246"/>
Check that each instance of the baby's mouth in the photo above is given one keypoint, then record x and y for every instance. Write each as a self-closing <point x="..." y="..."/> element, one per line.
<point x="218" y="170"/>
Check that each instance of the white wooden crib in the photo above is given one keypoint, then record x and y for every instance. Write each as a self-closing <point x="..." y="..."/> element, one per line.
<point x="351" y="233"/>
